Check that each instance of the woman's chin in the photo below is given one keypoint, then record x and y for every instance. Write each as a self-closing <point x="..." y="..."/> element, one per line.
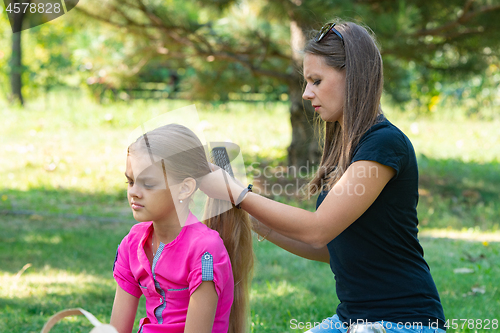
<point x="329" y="119"/>
<point x="332" y="118"/>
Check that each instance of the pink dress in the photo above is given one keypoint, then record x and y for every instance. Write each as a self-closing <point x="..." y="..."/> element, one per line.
<point x="197" y="254"/>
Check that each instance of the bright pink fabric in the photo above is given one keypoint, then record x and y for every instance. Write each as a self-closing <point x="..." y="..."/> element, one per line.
<point x="178" y="267"/>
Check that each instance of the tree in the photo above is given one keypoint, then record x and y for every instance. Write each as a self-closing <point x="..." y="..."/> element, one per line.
<point x="16" y="68"/>
<point x="425" y="43"/>
<point x="25" y="14"/>
<point x="257" y="46"/>
<point x="252" y="39"/>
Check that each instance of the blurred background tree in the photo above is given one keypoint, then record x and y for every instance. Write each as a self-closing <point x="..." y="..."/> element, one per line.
<point x="434" y="52"/>
<point x="15" y="61"/>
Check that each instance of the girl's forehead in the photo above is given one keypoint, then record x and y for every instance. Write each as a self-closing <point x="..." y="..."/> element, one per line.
<point x="140" y="163"/>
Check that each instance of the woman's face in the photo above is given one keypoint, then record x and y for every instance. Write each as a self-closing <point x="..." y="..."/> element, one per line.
<point x="325" y="88"/>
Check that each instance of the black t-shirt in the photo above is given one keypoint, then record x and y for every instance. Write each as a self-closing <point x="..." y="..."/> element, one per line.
<point x="377" y="261"/>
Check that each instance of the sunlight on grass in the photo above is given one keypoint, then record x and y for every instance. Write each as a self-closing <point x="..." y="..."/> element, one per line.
<point x="471" y="234"/>
<point x="262" y="130"/>
<point x="471" y="140"/>
<point x="277" y="289"/>
<point x="49" y="282"/>
<point x="30" y="299"/>
<point x="40" y="144"/>
<point x="42" y="240"/>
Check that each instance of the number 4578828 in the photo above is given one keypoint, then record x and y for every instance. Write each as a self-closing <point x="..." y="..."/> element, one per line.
<point x="33" y="8"/>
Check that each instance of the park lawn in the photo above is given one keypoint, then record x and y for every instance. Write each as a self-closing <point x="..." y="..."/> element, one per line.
<point x="63" y="210"/>
<point x="71" y="266"/>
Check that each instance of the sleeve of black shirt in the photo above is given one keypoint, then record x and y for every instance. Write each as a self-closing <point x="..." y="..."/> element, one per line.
<point x="384" y="144"/>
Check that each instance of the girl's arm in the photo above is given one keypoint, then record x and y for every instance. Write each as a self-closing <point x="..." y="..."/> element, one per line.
<point x="351" y="196"/>
<point x="298" y="248"/>
<point x="124" y="311"/>
<point x="201" y="310"/>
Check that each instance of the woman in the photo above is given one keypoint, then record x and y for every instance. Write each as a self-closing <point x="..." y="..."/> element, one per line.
<point x="365" y="224"/>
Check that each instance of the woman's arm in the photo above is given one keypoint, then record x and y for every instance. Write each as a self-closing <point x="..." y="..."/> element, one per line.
<point x="201" y="310"/>
<point x="124" y="311"/>
<point x="293" y="246"/>
<point x="351" y="196"/>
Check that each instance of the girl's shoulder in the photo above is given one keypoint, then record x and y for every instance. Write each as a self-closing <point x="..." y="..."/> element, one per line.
<point x="136" y="233"/>
<point x="200" y="239"/>
<point x="202" y="234"/>
<point x="140" y="227"/>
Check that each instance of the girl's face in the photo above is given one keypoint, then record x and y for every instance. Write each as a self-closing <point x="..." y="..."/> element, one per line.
<point x="148" y="192"/>
<point x="325" y="88"/>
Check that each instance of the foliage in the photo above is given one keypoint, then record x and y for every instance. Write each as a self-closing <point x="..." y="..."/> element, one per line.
<point x="435" y="53"/>
<point x="5" y="46"/>
<point x="46" y="56"/>
<point x="427" y="46"/>
<point x="445" y="41"/>
<point x="198" y="44"/>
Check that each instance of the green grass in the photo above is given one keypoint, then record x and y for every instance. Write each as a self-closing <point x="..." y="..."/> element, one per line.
<point x="72" y="259"/>
<point x="63" y="209"/>
<point x="287" y="287"/>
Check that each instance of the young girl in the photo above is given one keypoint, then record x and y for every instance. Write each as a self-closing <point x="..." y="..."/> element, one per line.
<point x="195" y="276"/>
<point x="365" y="223"/>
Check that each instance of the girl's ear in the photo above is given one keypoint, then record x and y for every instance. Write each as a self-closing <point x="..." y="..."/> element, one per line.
<point x="187" y="188"/>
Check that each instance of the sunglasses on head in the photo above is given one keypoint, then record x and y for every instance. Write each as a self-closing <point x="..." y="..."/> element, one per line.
<point x="325" y="30"/>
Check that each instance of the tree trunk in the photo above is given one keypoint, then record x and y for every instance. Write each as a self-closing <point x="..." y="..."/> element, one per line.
<point x="304" y="149"/>
<point x="16" y="68"/>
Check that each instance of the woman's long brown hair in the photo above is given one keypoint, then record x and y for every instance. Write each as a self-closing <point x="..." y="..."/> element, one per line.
<point x="359" y="56"/>
<point x="184" y="156"/>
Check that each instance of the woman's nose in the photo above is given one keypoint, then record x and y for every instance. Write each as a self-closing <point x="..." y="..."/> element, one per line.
<point x="307" y="93"/>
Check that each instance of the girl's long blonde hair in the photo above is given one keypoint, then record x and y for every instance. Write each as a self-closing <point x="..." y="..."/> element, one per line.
<point x="235" y="228"/>
<point x="184" y="156"/>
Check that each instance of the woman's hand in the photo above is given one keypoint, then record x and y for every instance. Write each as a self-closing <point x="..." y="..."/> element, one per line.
<point x="218" y="184"/>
